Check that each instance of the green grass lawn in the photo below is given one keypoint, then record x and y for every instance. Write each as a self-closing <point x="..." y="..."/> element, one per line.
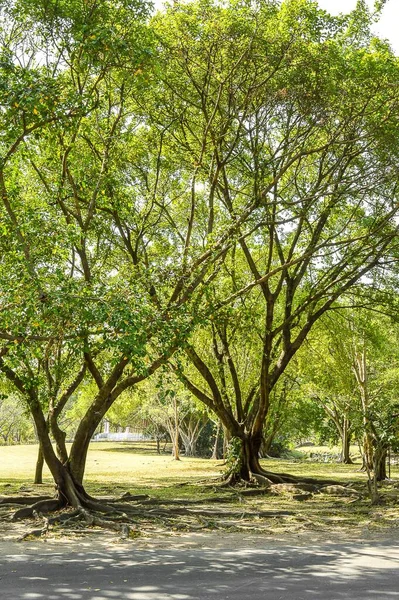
<point x="109" y="462"/>
<point x="138" y="464"/>
<point x="114" y="468"/>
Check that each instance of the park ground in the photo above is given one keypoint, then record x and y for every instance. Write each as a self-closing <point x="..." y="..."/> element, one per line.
<point x="182" y="502"/>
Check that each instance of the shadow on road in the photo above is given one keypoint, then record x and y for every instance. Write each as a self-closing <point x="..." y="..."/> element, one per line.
<point x="331" y="572"/>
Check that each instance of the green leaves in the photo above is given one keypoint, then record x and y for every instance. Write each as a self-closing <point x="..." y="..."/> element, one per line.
<point x="226" y="170"/>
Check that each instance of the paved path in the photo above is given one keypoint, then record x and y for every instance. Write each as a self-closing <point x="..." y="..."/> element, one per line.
<point x="354" y="571"/>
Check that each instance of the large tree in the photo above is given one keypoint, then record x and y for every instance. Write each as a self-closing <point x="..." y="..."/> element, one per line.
<point x="113" y="224"/>
<point x="137" y="161"/>
<point x="319" y="152"/>
<point x="62" y="66"/>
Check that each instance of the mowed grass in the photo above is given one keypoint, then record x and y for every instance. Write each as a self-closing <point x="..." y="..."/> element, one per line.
<point x="115" y="468"/>
<point x="113" y="463"/>
<point x="328" y="470"/>
<point x="139" y="465"/>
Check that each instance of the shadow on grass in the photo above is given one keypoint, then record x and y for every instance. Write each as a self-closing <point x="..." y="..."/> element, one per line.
<point x="136" y="448"/>
<point x="344" y="473"/>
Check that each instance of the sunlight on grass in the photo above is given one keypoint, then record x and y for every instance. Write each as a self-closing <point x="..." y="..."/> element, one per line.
<point x="115" y="468"/>
<point x="139" y="465"/>
<point x="104" y="464"/>
<point x="112" y="462"/>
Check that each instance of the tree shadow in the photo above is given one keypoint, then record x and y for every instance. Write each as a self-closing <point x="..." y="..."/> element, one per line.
<point x="332" y="572"/>
<point x="130" y="448"/>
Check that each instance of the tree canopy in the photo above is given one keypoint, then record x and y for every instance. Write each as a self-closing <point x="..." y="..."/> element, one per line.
<point x="192" y="190"/>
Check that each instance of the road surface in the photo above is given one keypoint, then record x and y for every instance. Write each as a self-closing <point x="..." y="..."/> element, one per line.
<point x="351" y="570"/>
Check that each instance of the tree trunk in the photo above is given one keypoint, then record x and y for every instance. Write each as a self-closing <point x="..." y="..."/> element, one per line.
<point x="87" y="427"/>
<point x="78" y="456"/>
<point x="346" y="439"/>
<point x="70" y="492"/>
<point x="380" y="463"/>
<point x="247" y="465"/>
<point x="190" y="444"/>
<point x="59" y="437"/>
<point x="226" y="441"/>
<point x="379" y="473"/>
<point x="367" y="452"/>
<point x="39" y="467"/>
<point x="360" y="370"/>
<point x="175" y="439"/>
<point x="215" y="455"/>
<point x="243" y="458"/>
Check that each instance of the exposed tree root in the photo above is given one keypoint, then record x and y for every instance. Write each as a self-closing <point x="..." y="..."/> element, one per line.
<point x="43" y="506"/>
<point x="35" y="532"/>
<point x="123" y="514"/>
<point x="258" y="491"/>
<point x="188" y="502"/>
<point x="80" y="515"/>
<point x="286" y="478"/>
<point x="65" y="519"/>
<point x="128" y="497"/>
<point x="93" y="520"/>
<point x="302" y="497"/>
<point x="295" y="487"/>
<point x="23" y="499"/>
<point x="268" y="478"/>
<point x="262" y="480"/>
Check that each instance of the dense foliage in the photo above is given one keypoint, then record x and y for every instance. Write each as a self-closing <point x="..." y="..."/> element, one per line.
<point x="187" y="199"/>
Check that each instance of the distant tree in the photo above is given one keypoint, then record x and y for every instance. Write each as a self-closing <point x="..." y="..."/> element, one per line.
<point x="15" y="423"/>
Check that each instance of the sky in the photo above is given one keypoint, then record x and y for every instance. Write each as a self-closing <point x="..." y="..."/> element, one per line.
<point x="387" y="27"/>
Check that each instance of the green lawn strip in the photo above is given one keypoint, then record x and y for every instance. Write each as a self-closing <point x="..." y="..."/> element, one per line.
<point x="195" y="484"/>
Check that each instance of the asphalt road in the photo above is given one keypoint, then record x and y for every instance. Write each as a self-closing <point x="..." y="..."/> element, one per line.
<point x="354" y="571"/>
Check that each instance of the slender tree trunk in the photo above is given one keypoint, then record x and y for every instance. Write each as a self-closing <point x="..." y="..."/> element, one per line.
<point x="59" y="437"/>
<point x="226" y="441"/>
<point x="360" y="370"/>
<point x="380" y="463"/>
<point x="215" y="445"/>
<point x="367" y="452"/>
<point x="346" y="439"/>
<point x="175" y="450"/>
<point x="39" y="467"/>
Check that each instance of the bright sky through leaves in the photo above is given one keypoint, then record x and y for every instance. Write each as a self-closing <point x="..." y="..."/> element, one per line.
<point x="387" y="27"/>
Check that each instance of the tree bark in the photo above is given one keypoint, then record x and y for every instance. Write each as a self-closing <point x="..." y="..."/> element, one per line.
<point x="59" y="437"/>
<point x="215" y="445"/>
<point x="39" y="467"/>
<point x="367" y="452"/>
<point x="345" y="440"/>
<point x="226" y="440"/>
<point x="87" y="427"/>
<point x="175" y="440"/>
<point x="360" y="370"/>
<point x="245" y="459"/>
<point x="68" y="492"/>
<point x="380" y="463"/>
